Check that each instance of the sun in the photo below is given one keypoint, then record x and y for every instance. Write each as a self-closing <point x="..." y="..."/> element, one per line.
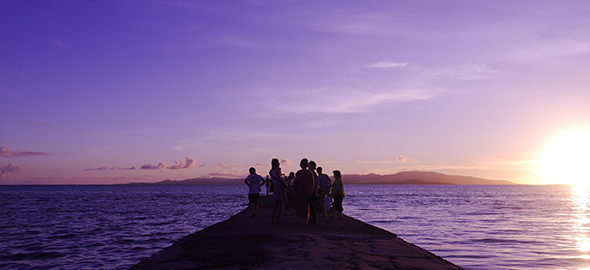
<point x="567" y="160"/>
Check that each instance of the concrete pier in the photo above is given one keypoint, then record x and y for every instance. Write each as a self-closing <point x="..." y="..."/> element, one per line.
<point x="242" y="242"/>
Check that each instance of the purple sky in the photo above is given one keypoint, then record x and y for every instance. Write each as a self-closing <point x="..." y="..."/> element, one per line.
<point x="91" y="91"/>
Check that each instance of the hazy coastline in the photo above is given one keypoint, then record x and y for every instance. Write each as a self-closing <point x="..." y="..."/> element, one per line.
<point x="401" y="178"/>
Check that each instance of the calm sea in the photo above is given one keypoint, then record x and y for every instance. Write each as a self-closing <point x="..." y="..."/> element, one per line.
<point x="114" y="227"/>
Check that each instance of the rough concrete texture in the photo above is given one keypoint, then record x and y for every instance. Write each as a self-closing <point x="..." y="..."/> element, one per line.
<point x="242" y="242"/>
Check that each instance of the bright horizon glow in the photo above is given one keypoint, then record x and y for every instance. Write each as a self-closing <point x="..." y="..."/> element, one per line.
<point x="566" y="161"/>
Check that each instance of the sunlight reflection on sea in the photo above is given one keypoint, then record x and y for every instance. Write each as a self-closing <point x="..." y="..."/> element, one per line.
<point x="484" y="227"/>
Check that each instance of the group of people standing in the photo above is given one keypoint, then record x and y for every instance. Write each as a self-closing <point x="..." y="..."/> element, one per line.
<point x="301" y="191"/>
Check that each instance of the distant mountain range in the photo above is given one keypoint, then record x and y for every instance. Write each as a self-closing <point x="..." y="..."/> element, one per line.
<point x="401" y="178"/>
<point x="420" y="178"/>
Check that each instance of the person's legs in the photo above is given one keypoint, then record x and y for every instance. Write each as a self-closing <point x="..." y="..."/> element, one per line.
<point x="254" y="203"/>
<point x="338" y="207"/>
<point x="323" y="204"/>
<point x="278" y="211"/>
<point x="312" y="216"/>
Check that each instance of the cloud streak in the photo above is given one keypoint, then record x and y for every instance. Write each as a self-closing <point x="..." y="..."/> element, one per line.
<point x="113" y="168"/>
<point x="148" y="166"/>
<point x="385" y="64"/>
<point x="223" y="165"/>
<point x="286" y="162"/>
<point x="4" y="152"/>
<point x="404" y="159"/>
<point x="332" y="162"/>
<point x="548" y="49"/>
<point x="187" y="163"/>
<point x="351" y="101"/>
<point x="397" y="160"/>
<point x="225" y="174"/>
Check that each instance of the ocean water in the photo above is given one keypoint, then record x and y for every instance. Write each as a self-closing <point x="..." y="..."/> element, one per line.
<point x="475" y="227"/>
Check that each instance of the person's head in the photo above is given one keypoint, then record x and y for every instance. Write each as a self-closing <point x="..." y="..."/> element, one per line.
<point x="337" y="174"/>
<point x="252" y="170"/>
<point x="275" y="163"/>
<point x="303" y="164"/>
<point x="291" y="175"/>
<point x="320" y="170"/>
<point x="312" y="165"/>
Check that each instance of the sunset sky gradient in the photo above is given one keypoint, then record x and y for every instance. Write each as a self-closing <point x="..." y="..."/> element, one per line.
<point x="102" y="92"/>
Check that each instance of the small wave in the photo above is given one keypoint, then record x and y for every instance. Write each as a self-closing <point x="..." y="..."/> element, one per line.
<point x="469" y="256"/>
<point x="497" y="240"/>
<point x="481" y="213"/>
<point x="384" y="221"/>
<point x="37" y="255"/>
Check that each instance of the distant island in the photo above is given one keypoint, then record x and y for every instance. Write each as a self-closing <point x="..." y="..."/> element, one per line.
<point x="401" y="178"/>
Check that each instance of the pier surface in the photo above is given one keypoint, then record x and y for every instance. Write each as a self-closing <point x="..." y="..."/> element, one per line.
<point x="242" y="242"/>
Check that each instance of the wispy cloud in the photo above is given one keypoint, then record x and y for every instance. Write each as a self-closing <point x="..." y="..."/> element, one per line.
<point x="462" y="72"/>
<point x="148" y="166"/>
<point x="397" y="160"/>
<point x="223" y="165"/>
<point x="127" y="132"/>
<point x="350" y="101"/>
<point x="286" y="162"/>
<point x="225" y="174"/>
<point x="4" y="152"/>
<point x="331" y="162"/>
<point x="112" y="168"/>
<point x="7" y="171"/>
<point x="385" y="64"/>
<point x="549" y="49"/>
<point x="188" y="163"/>
<point x="404" y="159"/>
<point x="374" y="161"/>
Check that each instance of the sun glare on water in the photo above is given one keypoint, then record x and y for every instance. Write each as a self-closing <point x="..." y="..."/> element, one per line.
<point x="567" y="160"/>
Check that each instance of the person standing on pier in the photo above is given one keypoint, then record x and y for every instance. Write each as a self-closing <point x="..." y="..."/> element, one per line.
<point x="303" y="186"/>
<point x="279" y="186"/>
<point x="324" y="189"/>
<point x="313" y="197"/>
<point x="337" y="194"/>
<point x="254" y="182"/>
<point x="268" y="186"/>
<point x="290" y="205"/>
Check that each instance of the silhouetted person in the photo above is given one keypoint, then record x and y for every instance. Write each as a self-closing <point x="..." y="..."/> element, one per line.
<point x="268" y="185"/>
<point x="313" y="197"/>
<point x="337" y="194"/>
<point x="279" y="186"/>
<point x="254" y="182"/>
<point x="324" y="189"/>
<point x="328" y="204"/>
<point x="303" y="186"/>
<point x="290" y="193"/>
